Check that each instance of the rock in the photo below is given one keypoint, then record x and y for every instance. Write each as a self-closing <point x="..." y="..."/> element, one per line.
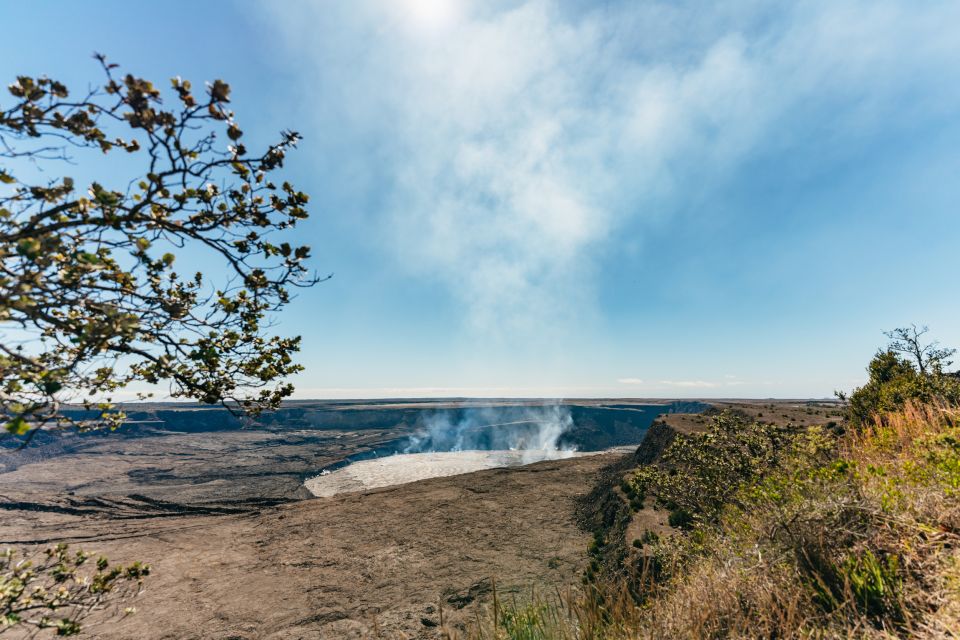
<point x="476" y="590"/>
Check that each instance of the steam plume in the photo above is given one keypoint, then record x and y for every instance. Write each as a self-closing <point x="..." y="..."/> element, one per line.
<point x="534" y="431"/>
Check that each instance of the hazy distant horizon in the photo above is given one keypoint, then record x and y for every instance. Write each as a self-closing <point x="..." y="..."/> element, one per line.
<point x="500" y="399"/>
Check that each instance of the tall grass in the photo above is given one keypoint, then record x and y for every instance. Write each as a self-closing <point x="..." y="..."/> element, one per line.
<point x="593" y="613"/>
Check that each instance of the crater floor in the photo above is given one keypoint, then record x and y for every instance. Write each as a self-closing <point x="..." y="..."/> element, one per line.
<point x="355" y="565"/>
<point x="239" y="550"/>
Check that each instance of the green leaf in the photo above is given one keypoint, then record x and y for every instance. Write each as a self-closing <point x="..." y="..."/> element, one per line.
<point x="67" y="627"/>
<point x="29" y="247"/>
<point x="50" y="387"/>
<point x="18" y="426"/>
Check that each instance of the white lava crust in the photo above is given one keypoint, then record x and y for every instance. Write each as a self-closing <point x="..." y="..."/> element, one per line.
<point x="410" y="467"/>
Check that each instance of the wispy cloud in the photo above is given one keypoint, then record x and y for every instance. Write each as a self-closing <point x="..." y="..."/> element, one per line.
<point x="630" y="381"/>
<point x="507" y="143"/>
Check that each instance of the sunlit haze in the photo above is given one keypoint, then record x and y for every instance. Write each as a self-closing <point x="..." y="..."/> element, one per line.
<point x="431" y="15"/>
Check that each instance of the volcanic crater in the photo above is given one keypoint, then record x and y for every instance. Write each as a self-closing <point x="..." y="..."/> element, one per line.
<point x="241" y="548"/>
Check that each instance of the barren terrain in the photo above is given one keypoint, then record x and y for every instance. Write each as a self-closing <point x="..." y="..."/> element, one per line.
<point x="240" y="549"/>
<point x="387" y="559"/>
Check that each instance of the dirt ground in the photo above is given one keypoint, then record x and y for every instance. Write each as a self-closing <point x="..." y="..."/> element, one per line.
<point x="384" y="562"/>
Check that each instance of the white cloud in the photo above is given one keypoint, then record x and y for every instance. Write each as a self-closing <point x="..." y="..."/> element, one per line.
<point x="512" y="143"/>
<point x="630" y="381"/>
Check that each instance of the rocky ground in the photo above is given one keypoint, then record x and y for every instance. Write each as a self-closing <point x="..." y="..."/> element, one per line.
<point x="384" y="562"/>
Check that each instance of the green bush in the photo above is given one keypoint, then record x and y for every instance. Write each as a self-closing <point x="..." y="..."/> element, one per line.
<point x="525" y="623"/>
<point x="699" y="474"/>
<point x="680" y="519"/>
<point x="875" y="582"/>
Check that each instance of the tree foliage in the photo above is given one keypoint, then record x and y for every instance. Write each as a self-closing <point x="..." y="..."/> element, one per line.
<point x="57" y="589"/>
<point x="90" y="297"/>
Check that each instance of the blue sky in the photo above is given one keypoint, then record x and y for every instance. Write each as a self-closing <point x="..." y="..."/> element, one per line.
<point x="538" y="198"/>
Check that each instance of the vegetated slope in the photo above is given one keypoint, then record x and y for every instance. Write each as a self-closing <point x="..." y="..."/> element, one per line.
<point x="838" y="537"/>
<point x="618" y="516"/>
<point x="778" y="532"/>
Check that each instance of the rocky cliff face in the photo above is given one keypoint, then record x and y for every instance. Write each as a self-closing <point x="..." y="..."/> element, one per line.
<point x="654" y="443"/>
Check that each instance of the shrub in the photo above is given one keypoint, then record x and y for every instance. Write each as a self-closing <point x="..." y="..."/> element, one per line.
<point x="680" y="519"/>
<point x="699" y="474"/>
<point x="525" y="623"/>
<point x="875" y="583"/>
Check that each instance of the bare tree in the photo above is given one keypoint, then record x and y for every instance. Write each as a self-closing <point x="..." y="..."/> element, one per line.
<point x="929" y="357"/>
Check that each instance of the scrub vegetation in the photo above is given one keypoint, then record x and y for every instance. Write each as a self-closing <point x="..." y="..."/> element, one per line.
<point x="850" y="530"/>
